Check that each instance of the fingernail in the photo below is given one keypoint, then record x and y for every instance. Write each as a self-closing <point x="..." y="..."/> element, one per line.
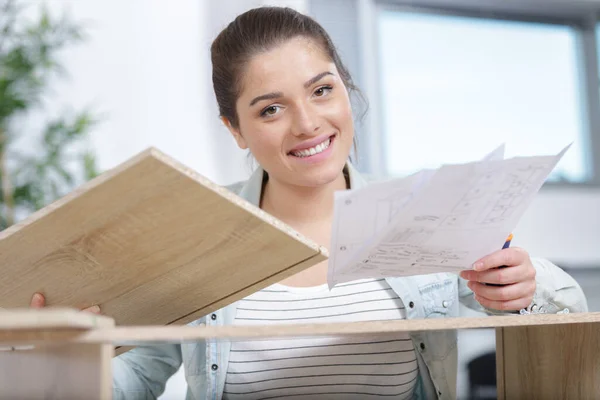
<point x="477" y="266"/>
<point x="37" y="296"/>
<point x="95" y="309"/>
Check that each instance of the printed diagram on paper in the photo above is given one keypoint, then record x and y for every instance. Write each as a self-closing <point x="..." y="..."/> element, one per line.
<point x="360" y="215"/>
<point x="434" y="221"/>
<point x="509" y="194"/>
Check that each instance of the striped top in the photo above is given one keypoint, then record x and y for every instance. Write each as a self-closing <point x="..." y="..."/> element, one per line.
<point x="359" y="367"/>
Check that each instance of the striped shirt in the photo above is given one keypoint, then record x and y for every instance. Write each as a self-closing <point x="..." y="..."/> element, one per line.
<point x="379" y="366"/>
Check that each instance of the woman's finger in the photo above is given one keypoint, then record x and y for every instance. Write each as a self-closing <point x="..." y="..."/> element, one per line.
<point x="37" y="301"/>
<point x="503" y="293"/>
<point x="501" y="276"/>
<point x="92" y="309"/>
<point x="509" y="257"/>
<point x="512" y="305"/>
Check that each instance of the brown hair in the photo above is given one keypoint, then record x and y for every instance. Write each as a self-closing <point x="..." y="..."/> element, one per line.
<point x="256" y="31"/>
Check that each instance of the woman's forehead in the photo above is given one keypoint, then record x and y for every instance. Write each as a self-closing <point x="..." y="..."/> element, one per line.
<point x="291" y="63"/>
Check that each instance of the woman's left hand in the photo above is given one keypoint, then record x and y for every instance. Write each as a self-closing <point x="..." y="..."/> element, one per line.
<point x="517" y="280"/>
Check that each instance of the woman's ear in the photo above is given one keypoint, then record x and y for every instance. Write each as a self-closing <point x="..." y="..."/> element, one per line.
<point x="235" y="132"/>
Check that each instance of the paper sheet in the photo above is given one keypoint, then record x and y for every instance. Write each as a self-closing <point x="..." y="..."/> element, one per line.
<point x="435" y="220"/>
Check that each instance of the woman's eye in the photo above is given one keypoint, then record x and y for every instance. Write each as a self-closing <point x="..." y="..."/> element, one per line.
<point x="322" y="91"/>
<point x="270" y="111"/>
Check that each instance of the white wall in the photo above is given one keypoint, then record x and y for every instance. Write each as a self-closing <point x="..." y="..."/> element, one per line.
<point x="563" y="225"/>
<point x="146" y="68"/>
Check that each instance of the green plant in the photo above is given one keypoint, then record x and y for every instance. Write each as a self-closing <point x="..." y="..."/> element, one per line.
<point x="29" y="60"/>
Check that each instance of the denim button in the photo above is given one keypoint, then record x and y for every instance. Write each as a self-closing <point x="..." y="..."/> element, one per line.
<point x="214" y="367"/>
<point x="445" y="304"/>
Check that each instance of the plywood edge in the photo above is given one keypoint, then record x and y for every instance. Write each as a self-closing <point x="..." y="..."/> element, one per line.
<point x="106" y="371"/>
<point x="157" y="155"/>
<point x="135" y="335"/>
<point x="500" y="365"/>
<point x="30" y="319"/>
<point x="254" y="287"/>
<point x="74" y="194"/>
<point x="160" y="156"/>
<point x="240" y="294"/>
<point x="118" y="350"/>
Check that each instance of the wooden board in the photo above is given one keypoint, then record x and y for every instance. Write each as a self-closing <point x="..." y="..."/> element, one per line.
<point x="49" y="318"/>
<point x="151" y="242"/>
<point x="500" y="367"/>
<point x="559" y="362"/>
<point x="144" y="334"/>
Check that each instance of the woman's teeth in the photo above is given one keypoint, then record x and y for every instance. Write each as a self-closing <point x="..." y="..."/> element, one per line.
<point x="313" y="150"/>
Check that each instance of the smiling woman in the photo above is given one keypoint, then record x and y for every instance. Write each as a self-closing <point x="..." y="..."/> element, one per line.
<point x="284" y="94"/>
<point x="292" y="101"/>
<point x="291" y="106"/>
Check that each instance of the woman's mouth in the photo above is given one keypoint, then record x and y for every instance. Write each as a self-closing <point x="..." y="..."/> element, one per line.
<point x="313" y="151"/>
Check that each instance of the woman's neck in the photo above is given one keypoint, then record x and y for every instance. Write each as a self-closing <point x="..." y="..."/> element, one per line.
<point x="300" y="205"/>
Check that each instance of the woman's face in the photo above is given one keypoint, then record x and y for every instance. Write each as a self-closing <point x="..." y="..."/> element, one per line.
<point x="295" y="115"/>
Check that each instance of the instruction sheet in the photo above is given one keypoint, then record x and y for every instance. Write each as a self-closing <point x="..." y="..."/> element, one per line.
<point x="440" y="220"/>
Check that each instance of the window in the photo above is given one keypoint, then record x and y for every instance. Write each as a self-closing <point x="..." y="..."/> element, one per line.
<point x="453" y="88"/>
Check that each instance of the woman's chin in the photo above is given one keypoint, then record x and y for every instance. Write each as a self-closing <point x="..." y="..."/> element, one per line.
<point x="325" y="175"/>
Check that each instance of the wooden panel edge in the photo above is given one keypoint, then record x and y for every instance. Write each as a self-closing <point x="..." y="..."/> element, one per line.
<point x="118" y="350"/>
<point x="318" y="257"/>
<point x="500" y="372"/>
<point x="107" y="353"/>
<point x="300" y="266"/>
<point x="16" y="320"/>
<point x="75" y="193"/>
<point x="233" y="198"/>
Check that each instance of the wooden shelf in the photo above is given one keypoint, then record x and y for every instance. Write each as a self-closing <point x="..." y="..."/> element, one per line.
<point x="144" y="334"/>
<point x="151" y="242"/>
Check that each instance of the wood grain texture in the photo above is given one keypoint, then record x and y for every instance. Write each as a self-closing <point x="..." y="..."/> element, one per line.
<point x="500" y="395"/>
<point x="252" y="288"/>
<point x="151" y="242"/>
<point x="25" y="326"/>
<point x="551" y="362"/>
<point x="68" y="371"/>
<point x="144" y="334"/>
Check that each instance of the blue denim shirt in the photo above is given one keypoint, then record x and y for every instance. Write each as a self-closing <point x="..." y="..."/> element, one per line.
<point x="142" y="372"/>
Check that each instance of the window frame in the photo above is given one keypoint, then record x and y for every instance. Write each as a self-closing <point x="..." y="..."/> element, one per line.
<point x="352" y="24"/>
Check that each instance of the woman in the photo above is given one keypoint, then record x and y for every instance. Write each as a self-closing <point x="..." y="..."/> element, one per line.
<point x="284" y="94"/>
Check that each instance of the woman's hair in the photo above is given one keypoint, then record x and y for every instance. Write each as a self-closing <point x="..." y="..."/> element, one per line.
<point x="257" y="31"/>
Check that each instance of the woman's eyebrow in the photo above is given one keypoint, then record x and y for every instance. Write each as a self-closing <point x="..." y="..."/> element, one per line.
<point x="276" y="95"/>
<point x="268" y="96"/>
<point x="317" y="78"/>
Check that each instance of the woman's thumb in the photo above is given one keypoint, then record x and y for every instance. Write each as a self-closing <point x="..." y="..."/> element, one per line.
<point x="37" y="301"/>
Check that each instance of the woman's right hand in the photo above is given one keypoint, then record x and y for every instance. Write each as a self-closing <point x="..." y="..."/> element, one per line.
<point x="39" y="301"/>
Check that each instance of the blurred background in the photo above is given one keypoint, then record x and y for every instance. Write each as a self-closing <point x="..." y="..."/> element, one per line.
<point x="87" y="84"/>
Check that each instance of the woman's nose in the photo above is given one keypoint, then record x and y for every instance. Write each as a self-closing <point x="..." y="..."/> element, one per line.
<point x="306" y="121"/>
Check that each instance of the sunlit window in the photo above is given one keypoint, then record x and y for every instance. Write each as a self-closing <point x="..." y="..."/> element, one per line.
<point x="453" y="88"/>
